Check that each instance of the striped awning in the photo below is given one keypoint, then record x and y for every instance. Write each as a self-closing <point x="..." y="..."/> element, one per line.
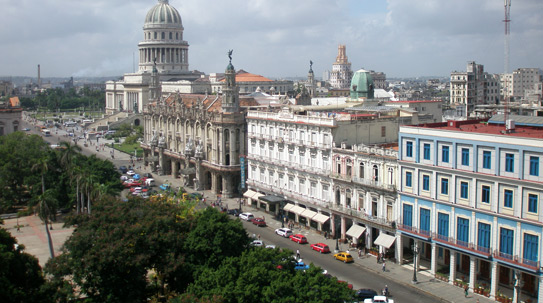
<point x="320" y="218"/>
<point x="356" y="231"/>
<point x="308" y="214"/>
<point x="297" y="210"/>
<point x="385" y="240"/>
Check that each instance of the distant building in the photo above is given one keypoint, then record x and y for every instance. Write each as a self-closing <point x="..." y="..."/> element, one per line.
<point x="6" y="88"/>
<point x="341" y="74"/>
<point x="468" y="88"/>
<point x="10" y="116"/>
<point x="520" y="81"/>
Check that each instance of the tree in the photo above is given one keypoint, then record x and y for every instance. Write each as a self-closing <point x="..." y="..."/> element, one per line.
<point x="46" y="201"/>
<point x="265" y="275"/>
<point x="21" y="278"/>
<point x="112" y="253"/>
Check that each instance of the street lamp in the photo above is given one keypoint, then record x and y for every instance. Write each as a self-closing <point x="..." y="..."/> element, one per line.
<point x="415" y="253"/>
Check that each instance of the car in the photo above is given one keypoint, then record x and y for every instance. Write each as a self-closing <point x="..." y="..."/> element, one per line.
<point x="123" y="169"/>
<point x="137" y="177"/>
<point x="124" y="178"/>
<point x="149" y="182"/>
<point x="135" y="188"/>
<point x="197" y="196"/>
<point x="165" y="186"/>
<point x="270" y="246"/>
<point x="259" y="222"/>
<point x="284" y="232"/>
<point x="144" y="195"/>
<point x="320" y="247"/>
<point x="300" y="265"/>
<point x="257" y="243"/>
<point x="379" y="299"/>
<point x="344" y="256"/>
<point x="365" y="293"/>
<point x="130" y="173"/>
<point x="246" y="216"/>
<point x="349" y="285"/>
<point x="131" y="183"/>
<point x="234" y="212"/>
<point x="26" y="129"/>
<point x="147" y="175"/>
<point x="300" y="239"/>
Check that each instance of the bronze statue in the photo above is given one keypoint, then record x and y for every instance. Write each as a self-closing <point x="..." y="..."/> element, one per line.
<point x="230" y="54"/>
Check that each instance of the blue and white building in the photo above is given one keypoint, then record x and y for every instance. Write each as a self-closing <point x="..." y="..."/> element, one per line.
<point x="470" y="199"/>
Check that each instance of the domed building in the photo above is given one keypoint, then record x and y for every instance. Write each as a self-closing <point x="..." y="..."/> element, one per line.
<point x="362" y="85"/>
<point x="163" y="41"/>
<point x="163" y="49"/>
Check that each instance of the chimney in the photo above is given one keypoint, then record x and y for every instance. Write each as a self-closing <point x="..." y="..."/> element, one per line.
<point x="39" y="77"/>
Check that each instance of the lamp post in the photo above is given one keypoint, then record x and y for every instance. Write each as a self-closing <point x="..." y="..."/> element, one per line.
<point x="415" y="248"/>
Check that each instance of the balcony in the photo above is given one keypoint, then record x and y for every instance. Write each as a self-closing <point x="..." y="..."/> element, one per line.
<point x="516" y="260"/>
<point x="374" y="183"/>
<point x="340" y="177"/>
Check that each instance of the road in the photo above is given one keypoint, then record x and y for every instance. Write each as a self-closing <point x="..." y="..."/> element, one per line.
<point x="352" y="272"/>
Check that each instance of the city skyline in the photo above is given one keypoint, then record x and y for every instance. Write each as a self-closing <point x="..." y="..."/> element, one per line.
<point x="273" y="38"/>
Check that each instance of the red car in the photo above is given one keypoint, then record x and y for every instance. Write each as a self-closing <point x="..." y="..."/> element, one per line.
<point x="259" y="222"/>
<point x="300" y="239"/>
<point x="320" y="247"/>
<point x="131" y="184"/>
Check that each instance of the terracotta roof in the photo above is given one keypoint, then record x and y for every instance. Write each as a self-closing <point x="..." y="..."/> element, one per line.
<point x="243" y="76"/>
<point x="14" y="102"/>
<point x="415" y="101"/>
<point x="190" y="100"/>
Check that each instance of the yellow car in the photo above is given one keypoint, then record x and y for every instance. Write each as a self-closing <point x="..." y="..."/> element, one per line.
<point x="344" y="256"/>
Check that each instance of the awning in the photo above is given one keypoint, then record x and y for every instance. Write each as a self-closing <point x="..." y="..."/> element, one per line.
<point x="256" y="196"/>
<point x="288" y="206"/>
<point x="308" y="214"/>
<point x="385" y="240"/>
<point x="356" y="231"/>
<point x="297" y="210"/>
<point x="320" y="218"/>
<point x="249" y="193"/>
<point x="270" y="199"/>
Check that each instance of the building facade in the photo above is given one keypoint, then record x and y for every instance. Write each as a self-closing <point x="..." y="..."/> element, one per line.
<point x="470" y="198"/>
<point x="469" y="88"/>
<point x="341" y="74"/>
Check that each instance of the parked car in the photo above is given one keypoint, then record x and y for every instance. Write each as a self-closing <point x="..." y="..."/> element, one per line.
<point x="284" y="232"/>
<point x="246" y="216"/>
<point x="130" y="173"/>
<point x="135" y="188"/>
<point x="26" y="129"/>
<point x="365" y="293"/>
<point x="257" y="243"/>
<point x="300" y="239"/>
<point x="131" y="183"/>
<point x="165" y="186"/>
<point x="270" y="246"/>
<point x="137" y="177"/>
<point x="147" y="175"/>
<point x="320" y="247"/>
<point x="379" y="299"/>
<point x="259" y="222"/>
<point x="197" y="196"/>
<point x="149" y="182"/>
<point x="301" y="266"/>
<point x="122" y="168"/>
<point x="234" y="212"/>
<point x="344" y="256"/>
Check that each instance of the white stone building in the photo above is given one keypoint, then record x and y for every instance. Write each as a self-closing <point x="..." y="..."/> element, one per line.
<point x="341" y="74"/>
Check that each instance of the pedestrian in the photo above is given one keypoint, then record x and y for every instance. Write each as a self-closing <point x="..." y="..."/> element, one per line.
<point x="258" y="236"/>
<point x="378" y="258"/>
<point x="466" y="291"/>
<point x="298" y="254"/>
<point x="384" y="266"/>
<point x="359" y="253"/>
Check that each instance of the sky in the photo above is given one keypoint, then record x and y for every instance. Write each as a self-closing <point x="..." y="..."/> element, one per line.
<point x="273" y="38"/>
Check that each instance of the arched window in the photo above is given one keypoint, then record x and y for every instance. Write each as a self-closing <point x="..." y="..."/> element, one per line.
<point x="375" y="173"/>
<point x="361" y="171"/>
<point x="163" y="35"/>
<point x="391" y="175"/>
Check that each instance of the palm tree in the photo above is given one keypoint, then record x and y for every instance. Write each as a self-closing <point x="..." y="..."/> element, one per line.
<point x="67" y="158"/>
<point x="44" y="207"/>
<point x="90" y="182"/>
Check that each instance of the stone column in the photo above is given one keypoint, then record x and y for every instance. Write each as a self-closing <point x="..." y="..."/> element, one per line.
<point x="226" y="186"/>
<point x="333" y="224"/>
<point x="343" y="227"/>
<point x="433" y="260"/>
<point x="540" y="289"/>
<point x="472" y="272"/>
<point x="419" y="245"/>
<point x="452" y="268"/>
<point x="399" y="248"/>
<point x="232" y="147"/>
<point x="494" y="280"/>
<point x="175" y="170"/>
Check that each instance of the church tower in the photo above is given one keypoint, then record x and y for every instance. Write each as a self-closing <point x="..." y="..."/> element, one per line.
<point x="230" y="92"/>
<point x="311" y="80"/>
<point x="154" y="85"/>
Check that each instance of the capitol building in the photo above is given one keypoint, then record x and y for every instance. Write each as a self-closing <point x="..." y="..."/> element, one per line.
<point x="163" y="46"/>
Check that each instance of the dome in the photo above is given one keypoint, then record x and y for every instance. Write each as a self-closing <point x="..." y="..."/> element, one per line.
<point x="163" y="13"/>
<point x="362" y="85"/>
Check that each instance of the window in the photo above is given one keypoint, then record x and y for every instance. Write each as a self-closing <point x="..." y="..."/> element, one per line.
<point x="509" y="163"/>
<point x="462" y="234"/>
<point x="485" y="194"/>
<point x="361" y="170"/>
<point x="483" y="239"/>
<point x="506" y="242"/>
<point x="445" y="154"/>
<point x="508" y="198"/>
<point x="443" y="226"/>
<point x="532" y="203"/>
<point x="530" y="247"/>
<point x="444" y="186"/>
<point x="425" y="219"/>
<point x="426" y="151"/>
<point x="534" y="166"/>
<point x="409" y="149"/>
<point x="465" y="156"/>
<point x="383" y="131"/>
<point x="426" y="182"/>
<point x="487" y="159"/>
<point x="464" y="190"/>
<point x="408" y="179"/>
<point x="407" y="215"/>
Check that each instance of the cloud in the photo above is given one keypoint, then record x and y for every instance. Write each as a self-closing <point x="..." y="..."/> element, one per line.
<point x="273" y="38"/>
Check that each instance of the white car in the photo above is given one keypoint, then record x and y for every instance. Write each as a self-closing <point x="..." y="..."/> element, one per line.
<point x="270" y="246"/>
<point x="257" y="243"/>
<point x="284" y="232"/>
<point x="379" y="299"/>
<point x="246" y="216"/>
<point x="130" y="173"/>
<point x="150" y="182"/>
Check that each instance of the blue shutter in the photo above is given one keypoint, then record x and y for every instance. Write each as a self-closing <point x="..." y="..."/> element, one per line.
<point x="425" y="219"/>
<point x="408" y="215"/>
<point x="462" y="233"/>
<point x="443" y="226"/>
<point x="534" y="166"/>
<point x="483" y="240"/>
<point x="506" y="242"/>
<point x="530" y="247"/>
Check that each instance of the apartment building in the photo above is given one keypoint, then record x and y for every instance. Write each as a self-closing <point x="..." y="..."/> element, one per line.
<point x="470" y="198"/>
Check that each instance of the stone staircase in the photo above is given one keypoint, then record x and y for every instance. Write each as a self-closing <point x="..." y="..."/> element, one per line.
<point x="110" y="121"/>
